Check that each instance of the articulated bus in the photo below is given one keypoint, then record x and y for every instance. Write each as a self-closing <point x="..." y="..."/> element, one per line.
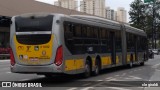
<point x="49" y="44"/>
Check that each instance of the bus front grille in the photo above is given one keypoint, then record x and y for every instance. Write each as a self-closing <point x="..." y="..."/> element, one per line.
<point x="33" y="39"/>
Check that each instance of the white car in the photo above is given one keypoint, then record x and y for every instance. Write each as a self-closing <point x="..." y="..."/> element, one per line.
<point x="155" y="51"/>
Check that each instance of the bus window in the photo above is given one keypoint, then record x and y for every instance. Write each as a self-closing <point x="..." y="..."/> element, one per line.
<point x="118" y="41"/>
<point x="78" y="40"/>
<point x="68" y="33"/>
<point x="103" y="40"/>
<point x="34" y="24"/>
<point x="77" y="31"/>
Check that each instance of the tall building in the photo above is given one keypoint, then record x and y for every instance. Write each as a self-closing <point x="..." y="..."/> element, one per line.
<point x="121" y="14"/>
<point x="95" y="7"/>
<point x="57" y="3"/>
<point x="87" y="6"/>
<point x="70" y="4"/>
<point x="111" y="14"/>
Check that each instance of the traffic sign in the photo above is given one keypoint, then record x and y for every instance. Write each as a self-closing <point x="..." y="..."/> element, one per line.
<point x="147" y="1"/>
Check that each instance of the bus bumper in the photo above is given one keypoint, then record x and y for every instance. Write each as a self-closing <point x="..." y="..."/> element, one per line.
<point x="36" y="69"/>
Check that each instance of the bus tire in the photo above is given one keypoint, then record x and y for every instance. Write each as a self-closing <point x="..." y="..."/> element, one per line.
<point x="87" y="72"/>
<point x="142" y="63"/>
<point x="97" y="68"/>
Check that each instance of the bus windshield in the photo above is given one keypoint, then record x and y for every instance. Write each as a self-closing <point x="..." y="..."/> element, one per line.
<point x="27" y="24"/>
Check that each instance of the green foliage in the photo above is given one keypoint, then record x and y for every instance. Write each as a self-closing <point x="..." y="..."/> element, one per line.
<point x="142" y="17"/>
<point x="146" y="16"/>
<point x="137" y="14"/>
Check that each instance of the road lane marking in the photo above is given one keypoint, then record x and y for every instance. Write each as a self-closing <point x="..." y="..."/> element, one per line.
<point x="135" y="70"/>
<point x="86" y="84"/>
<point x="8" y="72"/>
<point x="99" y="80"/>
<point x="88" y="88"/>
<point x="123" y="74"/>
<point x="113" y="79"/>
<point x="157" y="70"/>
<point x="117" y="88"/>
<point x="4" y="60"/>
<point x="156" y="65"/>
<point x="117" y="75"/>
<point x="5" y="68"/>
<point x="109" y="78"/>
<point x="133" y="77"/>
<point x="24" y="80"/>
<point x="41" y="76"/>
<point x="72" y="89"/>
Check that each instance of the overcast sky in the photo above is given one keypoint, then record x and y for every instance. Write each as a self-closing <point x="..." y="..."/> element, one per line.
<point x="113" y="4"/>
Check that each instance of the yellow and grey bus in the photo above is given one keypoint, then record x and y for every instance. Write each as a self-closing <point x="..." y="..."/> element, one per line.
<point x="60" y="44"/>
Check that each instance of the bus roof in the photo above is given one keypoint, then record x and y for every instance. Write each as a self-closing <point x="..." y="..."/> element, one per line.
<point x="134" y="30"/>
<point x="110" y="23"/>
<point x="128" y="28"/>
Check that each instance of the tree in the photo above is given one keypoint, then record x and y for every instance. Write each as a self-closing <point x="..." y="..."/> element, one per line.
<point x="137" y="14"/>
<point x="146" y="16"/>
<point x="153" y="21"/>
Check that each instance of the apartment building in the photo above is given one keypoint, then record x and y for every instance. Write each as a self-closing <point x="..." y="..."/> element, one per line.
<point x="111" y="14"/>
<point x="95" y="7"/>
<point x="121" y="14"/>
<point x="70" y="4"/>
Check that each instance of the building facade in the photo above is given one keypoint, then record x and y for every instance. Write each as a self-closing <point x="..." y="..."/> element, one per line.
<point x="111" y="14"/>
<point x="95" y="7"/>
<point x="70" y="4"/>
<point x="121" y="15"/>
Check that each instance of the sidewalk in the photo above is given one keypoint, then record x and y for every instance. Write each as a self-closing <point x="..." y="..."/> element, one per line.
<point x="5" y="60"/>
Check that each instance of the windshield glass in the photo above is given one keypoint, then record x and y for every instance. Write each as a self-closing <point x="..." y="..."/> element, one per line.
<point x="27" y="24"/>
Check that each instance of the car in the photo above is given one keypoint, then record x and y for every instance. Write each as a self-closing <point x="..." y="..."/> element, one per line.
<point x="159" y="50"/>
<point x="155" y="51"/>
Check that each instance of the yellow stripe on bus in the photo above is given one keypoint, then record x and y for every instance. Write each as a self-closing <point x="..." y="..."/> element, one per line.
<point x="106" y="60"/>
<point x="128" y="58"/>
<point x="93" y="62"/>
<point x="70" y="65"/>
<point x="80" y="63"/>
<point x="74" y="64"/>
<point x="134" y="57"/>
<point x="117" y="59"/>
<point x="28" y="54"/>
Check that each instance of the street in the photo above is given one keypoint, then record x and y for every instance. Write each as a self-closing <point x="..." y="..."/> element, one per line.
<point x="149" y="72"/>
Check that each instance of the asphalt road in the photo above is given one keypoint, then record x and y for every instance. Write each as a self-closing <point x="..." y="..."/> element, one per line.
<point x="149" y="72"/>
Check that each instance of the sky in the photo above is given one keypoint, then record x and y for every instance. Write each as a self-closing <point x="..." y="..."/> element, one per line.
<point x="113" y="4"/>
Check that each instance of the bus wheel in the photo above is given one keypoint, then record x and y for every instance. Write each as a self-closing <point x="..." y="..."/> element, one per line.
<point x="97" y="68"/>
<point x="87" y="72"/>
<point x="142" y="63"/>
